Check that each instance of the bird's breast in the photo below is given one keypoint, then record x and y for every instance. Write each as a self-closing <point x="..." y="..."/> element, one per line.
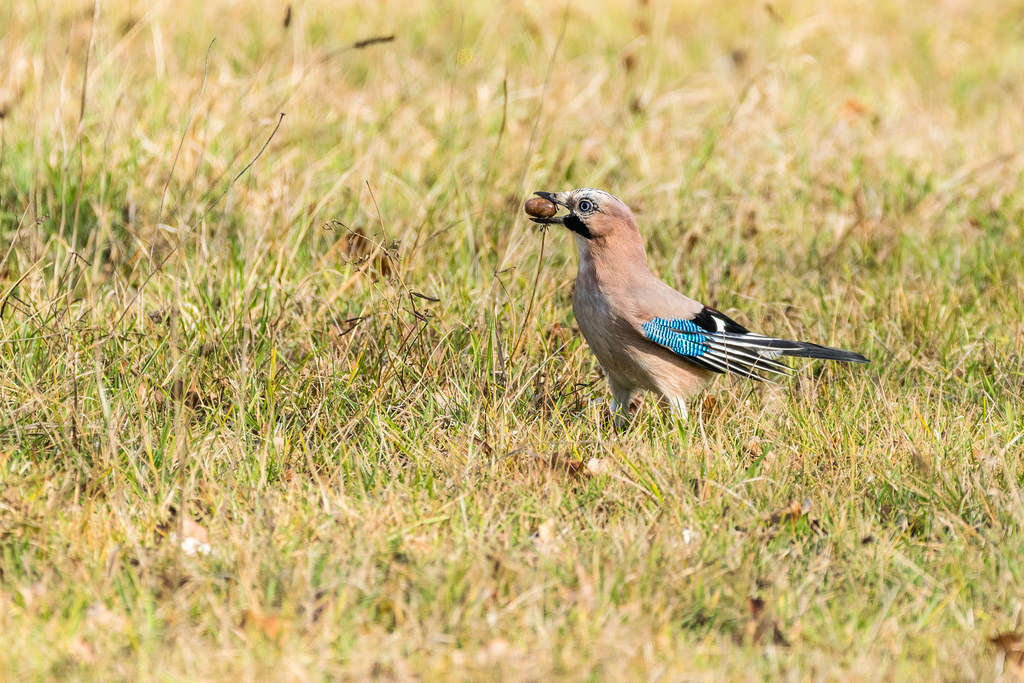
<point x="606" y="329"/>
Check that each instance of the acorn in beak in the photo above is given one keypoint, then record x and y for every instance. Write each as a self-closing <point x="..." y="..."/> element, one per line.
<point x="544" y="206"/>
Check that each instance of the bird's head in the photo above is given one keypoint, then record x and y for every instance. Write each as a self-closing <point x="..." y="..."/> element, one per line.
<point x="593" y="214"/>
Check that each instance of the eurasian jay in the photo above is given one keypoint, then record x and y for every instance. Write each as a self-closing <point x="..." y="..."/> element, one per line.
<point x="646" y="335"/>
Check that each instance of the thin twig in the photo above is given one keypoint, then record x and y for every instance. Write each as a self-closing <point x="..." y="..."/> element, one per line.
<point x="174" y="249"/>
<point x="184" y="132"/>
<point x="242" y="172"/>
<point x="501" y="134"/>
<point x="85" y="75"/>
<point x="543" y="92"/>
<point x="376" y="40"/>
<point x="533" y="294"/>
<point x="81" y="122"/>
<point x="526" y="168"/>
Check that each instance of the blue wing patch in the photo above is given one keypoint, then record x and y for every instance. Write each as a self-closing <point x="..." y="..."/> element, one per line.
<point x="680" y="336"/>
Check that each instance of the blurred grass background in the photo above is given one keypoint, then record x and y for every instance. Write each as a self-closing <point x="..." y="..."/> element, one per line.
<point x="277" y="421"/>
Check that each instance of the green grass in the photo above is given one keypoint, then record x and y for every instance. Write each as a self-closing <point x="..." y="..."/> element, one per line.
<point x="398" y="486"/>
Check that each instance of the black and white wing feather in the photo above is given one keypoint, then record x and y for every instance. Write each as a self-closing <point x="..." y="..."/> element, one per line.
<point x="716" y="342"/>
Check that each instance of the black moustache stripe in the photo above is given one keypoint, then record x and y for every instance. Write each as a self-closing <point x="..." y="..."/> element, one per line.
<point x="573" y="222"/>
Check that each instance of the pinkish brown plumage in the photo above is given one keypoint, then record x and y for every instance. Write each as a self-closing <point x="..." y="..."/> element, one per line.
<point x="646" y="335"/>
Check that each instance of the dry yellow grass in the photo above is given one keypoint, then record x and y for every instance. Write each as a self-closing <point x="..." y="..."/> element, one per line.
<point x="237" y="442"/>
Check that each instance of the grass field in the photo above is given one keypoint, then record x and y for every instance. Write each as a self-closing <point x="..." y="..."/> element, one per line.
<point x="328" y="414"/>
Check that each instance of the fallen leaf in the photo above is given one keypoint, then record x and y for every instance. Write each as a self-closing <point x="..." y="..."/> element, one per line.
<point x="1008" y="641"/>
<point x="194" y="539"/>
<point x="547" y="538"/>
<point x="852" y="109"/>
<point x="267" y="624"/>
<point x="419" y="543"/>
<point x="629" y="61"/>
<point x="529" y="462"/>
<point x="710" y="406"/>
<point x="1009" y="647"/>
<point x="483" y="445"/>
<point x="760" y="629"/>
<point x="766" y="631"/>
<point x="793" y="513"/>
<point x="566" y="464"/>
<point x="756" y="606"/>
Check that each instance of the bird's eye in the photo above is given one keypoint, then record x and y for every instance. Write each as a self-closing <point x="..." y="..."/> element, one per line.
<point x="585" y="205"/>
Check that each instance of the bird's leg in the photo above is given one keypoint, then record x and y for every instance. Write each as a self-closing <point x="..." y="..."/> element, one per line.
<point x="625" y="402"/>
<point x="677" y="406"/>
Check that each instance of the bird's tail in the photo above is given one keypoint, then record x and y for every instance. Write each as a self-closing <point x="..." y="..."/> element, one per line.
<point x="749" y="354"/>
<point x="796" y="349"/>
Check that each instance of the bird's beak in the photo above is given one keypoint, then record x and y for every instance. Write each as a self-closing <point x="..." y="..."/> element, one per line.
<point x="556" y="198"/>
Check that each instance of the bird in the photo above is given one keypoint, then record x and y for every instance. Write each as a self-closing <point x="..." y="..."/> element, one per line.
<point x="647" y="336"/>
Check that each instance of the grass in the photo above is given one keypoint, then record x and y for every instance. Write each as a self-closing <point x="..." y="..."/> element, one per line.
<point x="333" y="378"/>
